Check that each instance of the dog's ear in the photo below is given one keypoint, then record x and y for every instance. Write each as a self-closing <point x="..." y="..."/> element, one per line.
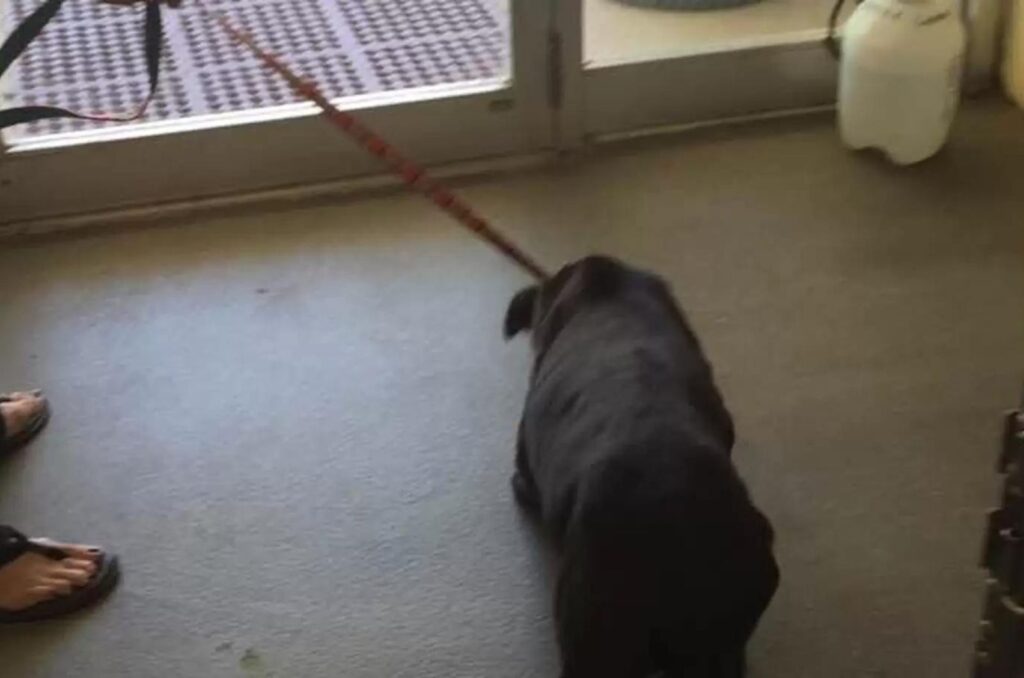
<point x="519" y="315"/>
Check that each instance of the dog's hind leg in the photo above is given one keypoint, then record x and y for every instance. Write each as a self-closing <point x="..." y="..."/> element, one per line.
<point x="722" y="665"/>
<point x="601" y="632"/>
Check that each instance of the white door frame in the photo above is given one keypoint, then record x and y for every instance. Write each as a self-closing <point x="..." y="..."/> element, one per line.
<point x="204" y="158"/>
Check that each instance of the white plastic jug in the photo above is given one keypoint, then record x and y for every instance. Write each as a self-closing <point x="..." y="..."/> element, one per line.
<point x="899" y="78"/>
<point x="1013" y="62"/>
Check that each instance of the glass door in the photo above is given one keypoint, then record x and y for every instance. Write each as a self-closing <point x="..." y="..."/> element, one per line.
<point x="651" y="63"/>
<point x="445" y="80"/>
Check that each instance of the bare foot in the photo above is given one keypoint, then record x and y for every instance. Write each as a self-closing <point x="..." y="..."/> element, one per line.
<point x="20" y="410"/>
<point x="33" y="578"/>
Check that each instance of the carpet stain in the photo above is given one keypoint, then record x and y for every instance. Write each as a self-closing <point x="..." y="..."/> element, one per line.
<point x="253" y="665"/>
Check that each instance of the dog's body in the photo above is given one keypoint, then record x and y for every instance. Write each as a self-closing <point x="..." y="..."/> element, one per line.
<point x="624" y="451"/>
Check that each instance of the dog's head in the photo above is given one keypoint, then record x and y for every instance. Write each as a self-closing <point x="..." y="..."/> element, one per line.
<point x="544" y="309"/>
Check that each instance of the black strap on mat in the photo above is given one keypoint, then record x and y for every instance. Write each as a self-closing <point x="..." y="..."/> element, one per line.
<point x="29" y="30"/>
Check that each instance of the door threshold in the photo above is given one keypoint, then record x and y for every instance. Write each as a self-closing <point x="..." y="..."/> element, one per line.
<point x="275" y="198"/>
<point x="357" y="187"/>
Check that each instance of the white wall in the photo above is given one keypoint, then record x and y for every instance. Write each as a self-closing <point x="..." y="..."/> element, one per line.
<point x="983" y="51"/>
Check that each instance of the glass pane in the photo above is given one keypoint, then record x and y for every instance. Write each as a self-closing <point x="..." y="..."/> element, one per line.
<point x="618" y="31"/>
<point x="90" y="58"/>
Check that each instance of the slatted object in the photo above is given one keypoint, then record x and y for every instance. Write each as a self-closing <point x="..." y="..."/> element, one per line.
<point x="1000" y="649"/>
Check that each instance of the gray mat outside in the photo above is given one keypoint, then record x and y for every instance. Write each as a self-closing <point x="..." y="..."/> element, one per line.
<point x="90" y="58"/>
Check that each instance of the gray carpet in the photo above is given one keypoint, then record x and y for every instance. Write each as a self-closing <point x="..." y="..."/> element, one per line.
<point x="296" y="427"/>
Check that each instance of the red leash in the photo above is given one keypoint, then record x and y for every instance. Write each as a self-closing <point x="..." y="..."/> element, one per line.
<point x="411" y="173"/>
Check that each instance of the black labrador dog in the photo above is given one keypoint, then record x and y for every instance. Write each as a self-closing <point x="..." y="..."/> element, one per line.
<point x="624" y="453"/>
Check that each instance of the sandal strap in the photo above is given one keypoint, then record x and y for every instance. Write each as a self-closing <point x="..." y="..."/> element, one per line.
<point x="14" y="544"/>
<point x="51" y="552"/>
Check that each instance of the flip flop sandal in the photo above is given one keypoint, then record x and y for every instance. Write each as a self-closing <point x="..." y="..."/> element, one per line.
<point x="108" y="572"/>
<point x="17" y="441"/>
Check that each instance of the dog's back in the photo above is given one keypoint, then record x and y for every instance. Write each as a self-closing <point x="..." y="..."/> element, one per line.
<point x="667" y="565"/>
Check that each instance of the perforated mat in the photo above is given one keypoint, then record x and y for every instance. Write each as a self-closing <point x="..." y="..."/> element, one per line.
<point x="91" y="57"/>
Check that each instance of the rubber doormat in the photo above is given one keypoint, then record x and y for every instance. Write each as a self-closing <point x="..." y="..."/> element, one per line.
<point x="90" y="58"/>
